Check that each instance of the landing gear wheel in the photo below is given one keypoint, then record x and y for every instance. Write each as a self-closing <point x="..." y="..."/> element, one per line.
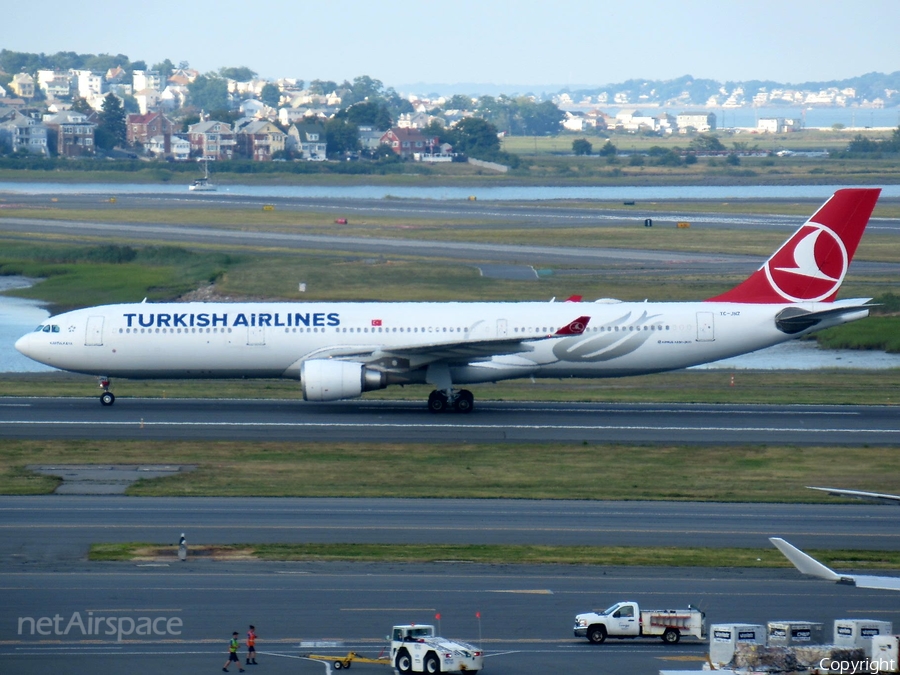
<point x="337" y="665"/>
<point x="432" y="665"/>
<point x="437" y="401"/>
<point x="671" y="636"/>
<point x="107" y="398"/>
<point x="403" y="662"/>
<point x="465" y="401"/>
<point x="597" y="634"/>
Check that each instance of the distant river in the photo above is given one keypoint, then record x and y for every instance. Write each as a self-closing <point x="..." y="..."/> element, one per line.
<point x="17" y="317"/>
<point x="502" y="193"/>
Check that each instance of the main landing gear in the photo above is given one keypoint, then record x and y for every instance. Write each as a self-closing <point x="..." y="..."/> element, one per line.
<point x="461" y="401"/>
<point x="107" y="397"/>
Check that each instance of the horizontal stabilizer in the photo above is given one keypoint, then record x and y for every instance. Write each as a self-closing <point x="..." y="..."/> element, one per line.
<point x="793" y="320"/>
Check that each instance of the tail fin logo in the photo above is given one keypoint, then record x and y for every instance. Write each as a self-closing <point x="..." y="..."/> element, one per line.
<point x="810" y="266"/>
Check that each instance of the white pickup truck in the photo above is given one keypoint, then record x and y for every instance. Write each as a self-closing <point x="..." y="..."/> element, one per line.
<point x="628" y="620"/>
<point x="415" y="649"/>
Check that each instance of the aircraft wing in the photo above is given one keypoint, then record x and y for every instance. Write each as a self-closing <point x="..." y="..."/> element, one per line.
<point x="809" y="565"/>
<point x="448" y="351"/>
<point x="859" y="494"/>
<point x="463" y="351"/>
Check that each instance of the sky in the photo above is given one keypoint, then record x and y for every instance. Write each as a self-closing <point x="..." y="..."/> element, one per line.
<point x="504" y="42"/>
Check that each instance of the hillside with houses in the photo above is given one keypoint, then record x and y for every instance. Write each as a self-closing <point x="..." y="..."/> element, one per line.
<point x="176" y="113"/>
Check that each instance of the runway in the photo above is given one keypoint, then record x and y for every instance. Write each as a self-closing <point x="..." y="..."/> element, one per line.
<point x="525" y="625"/>
<point x="54" y="529"/>
<point x="526" y="612"/>
<point x="410" y="421"/>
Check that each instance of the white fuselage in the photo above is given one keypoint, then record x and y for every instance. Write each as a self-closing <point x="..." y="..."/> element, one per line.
<point x="261" y="340"/>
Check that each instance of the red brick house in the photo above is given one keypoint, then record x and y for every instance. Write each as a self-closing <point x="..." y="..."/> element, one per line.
<point x="408" y="142"/>
<point x="141" y="128"/>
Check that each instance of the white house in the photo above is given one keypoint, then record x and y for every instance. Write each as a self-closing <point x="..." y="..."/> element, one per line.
<point x="180" y="147"/>
<point x="574" y="122"/>
<point x="696" y="121"/>
<point x="147" y="79"/>
<point x="90" y="84"/>
<point x="21" y="132"/>
<point x="253" y="108"/>
<point x="173" y="97"/>
<point x="777" y="125"/>
<point x="307" y="139"/>
<point x="55" y="84"/>
<point x="147" y="100"/>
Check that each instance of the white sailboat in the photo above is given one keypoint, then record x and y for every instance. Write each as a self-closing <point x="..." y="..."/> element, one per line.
<point x="203" y="184"/>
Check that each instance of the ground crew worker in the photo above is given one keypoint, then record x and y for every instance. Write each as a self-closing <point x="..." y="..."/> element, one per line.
<point x="233" y="653"/>
<point x="251" y="649"/>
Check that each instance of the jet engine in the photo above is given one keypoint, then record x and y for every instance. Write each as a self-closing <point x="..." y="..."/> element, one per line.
<point x="327" y="380"/>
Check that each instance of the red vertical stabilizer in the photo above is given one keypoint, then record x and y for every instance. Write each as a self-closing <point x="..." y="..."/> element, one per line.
<point x="810" y="266"/>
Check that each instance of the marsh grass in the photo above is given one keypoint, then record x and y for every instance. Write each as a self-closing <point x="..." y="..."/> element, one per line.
<point x="735" y="473"/>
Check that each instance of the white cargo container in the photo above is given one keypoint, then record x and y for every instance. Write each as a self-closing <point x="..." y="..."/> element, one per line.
<point x="785" y="633"/>
<point x="859" y="633"/>
<point x="725" y="637"/>
<point x="886" y="653"/>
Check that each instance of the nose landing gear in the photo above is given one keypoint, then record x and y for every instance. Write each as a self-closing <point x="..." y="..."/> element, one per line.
<point x="107" y="397"/>
<point x="461" y="401"/>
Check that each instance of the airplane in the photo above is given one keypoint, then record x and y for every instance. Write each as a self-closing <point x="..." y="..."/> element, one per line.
<point x="340" y="350"/>
<point x="809" y="565"/>
<point x="859" y="494"/>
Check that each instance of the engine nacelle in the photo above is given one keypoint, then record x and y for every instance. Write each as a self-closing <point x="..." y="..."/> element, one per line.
<point x="328" y="380"/>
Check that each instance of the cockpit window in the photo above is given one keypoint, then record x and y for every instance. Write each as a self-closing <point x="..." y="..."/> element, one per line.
<point x="55" y="328"/>
<point x="39" y="328"/>
<point x="46" y="329"/>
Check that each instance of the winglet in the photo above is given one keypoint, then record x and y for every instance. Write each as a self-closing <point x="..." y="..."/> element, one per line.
<point x="574" y="298"/>
<point x="806" y="564"/>
<point x="576" y="327"/>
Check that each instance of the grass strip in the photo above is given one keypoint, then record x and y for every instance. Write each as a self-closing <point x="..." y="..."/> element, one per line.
<point x="498" y="554"/>
<point x="734" y="473"/>
<point x="704" y="238"/>
<point x="718" y="386"/>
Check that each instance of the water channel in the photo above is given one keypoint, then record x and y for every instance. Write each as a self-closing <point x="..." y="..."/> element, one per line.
<point x="441" y="193"/>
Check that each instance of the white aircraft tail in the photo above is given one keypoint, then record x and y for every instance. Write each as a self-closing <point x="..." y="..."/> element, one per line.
<point x="806" y="564"/>
<point x="809" y="565"/>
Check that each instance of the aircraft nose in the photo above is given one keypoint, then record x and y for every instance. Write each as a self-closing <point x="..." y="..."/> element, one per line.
<point x="25" y="345"/>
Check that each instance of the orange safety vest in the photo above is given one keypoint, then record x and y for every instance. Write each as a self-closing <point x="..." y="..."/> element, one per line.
<point x="251" y="638"/>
